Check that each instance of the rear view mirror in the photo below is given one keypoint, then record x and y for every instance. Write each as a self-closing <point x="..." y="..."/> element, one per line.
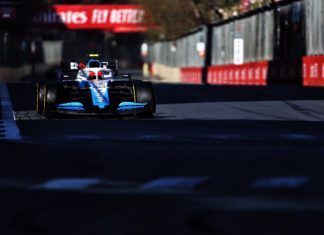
<point x="65" y="77"/>
<point x="126" y="76"/>
<point x="70" y="66"/>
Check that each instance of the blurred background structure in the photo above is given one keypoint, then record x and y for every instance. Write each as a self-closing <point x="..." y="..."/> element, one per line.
<point x="258" y="43"/>
<point x="233" y="42"/>
<point x="36" y="35"/>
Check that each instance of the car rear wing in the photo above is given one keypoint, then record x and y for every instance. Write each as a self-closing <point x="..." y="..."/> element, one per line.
<point x="73" y="65"/>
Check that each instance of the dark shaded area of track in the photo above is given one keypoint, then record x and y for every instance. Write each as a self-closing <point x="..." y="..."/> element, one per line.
<point x="231" y="137"/>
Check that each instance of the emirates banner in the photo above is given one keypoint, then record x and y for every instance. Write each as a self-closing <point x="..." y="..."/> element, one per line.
<point x="117" y="18"/>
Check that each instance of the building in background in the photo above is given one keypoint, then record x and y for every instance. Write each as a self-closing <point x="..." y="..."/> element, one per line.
<point x="43" y="32"/>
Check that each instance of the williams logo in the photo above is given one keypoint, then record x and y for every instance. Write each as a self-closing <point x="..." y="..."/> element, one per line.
<point x="101" y="86"/>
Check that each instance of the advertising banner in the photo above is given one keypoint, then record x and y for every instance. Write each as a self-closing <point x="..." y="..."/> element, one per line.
<point x="117" y="18"/>
<point x="238" y="51"/>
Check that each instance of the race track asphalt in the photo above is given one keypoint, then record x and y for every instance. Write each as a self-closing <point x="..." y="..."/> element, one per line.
<point x="213" y="160"/>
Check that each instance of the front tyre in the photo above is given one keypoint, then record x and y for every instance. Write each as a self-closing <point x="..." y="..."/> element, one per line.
<point x="144" y="93"/>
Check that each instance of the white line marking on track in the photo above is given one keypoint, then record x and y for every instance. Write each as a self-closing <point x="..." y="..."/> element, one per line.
<point x="280" y="182"/>
<point x="156" y="137"/>
<point x="68" y="184"/>
<point x="27" y="115"/>
<point x="83" y="137"/>
<point x="299" y="136"/>
<point x="10" y="126"/>
<point x="98" y="186"/>
<point x="175" y="183"/>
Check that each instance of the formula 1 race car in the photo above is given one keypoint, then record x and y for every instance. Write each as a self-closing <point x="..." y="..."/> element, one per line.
<point x="93" y="86"/>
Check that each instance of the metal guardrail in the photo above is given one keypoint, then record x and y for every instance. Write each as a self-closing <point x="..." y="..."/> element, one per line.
<point x="314" y="10"/>
<point x="257" y="33"/>
<point x="275" y="32"/>
<point x="181" y="52"/>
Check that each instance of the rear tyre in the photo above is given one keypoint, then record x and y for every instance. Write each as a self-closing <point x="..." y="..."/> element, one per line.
<point x="51" y="94"/>
<point x="144" y="93"/>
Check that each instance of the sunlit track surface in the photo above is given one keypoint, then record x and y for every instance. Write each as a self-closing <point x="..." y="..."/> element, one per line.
<point x="211" y="158"/>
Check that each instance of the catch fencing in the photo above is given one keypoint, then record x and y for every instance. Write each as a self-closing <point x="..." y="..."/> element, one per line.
<point x="256" y="32"/>
<point x="313" y="63"/>
<point x="257" y="35"/>
<point x="181" y="52"/>
<point x="273" y="45"/>
<point x="185" y="54"/>
<point x="314" y="10"/>
<point x="281" y="43"/>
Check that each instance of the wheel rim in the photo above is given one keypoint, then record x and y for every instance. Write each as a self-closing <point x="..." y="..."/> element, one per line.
<point x="40" y="99"/>
<point x="37" y="97"/>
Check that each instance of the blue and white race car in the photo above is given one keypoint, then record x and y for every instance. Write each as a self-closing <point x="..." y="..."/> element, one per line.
<point x="94" y="87"/>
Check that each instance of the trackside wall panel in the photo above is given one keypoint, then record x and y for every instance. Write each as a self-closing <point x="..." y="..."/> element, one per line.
<point x="313" y="62"/>
<point x="180" y="53"/>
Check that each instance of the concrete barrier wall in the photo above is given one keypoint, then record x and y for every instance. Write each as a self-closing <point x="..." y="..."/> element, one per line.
<point x="166" y="73"/>
<point x="313" y="70"/>
<point x="254" y="73"/>
<point x="191" y="75"/>
<point x="15" y="74"/>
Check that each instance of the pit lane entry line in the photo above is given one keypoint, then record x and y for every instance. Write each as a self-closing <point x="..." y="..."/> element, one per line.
<point x="10" y="126"/>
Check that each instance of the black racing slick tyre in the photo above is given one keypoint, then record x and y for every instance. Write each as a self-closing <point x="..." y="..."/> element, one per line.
<point x="144" y="93"/>
<point x="51" y="95"/>
<point x="40" y="91"/>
